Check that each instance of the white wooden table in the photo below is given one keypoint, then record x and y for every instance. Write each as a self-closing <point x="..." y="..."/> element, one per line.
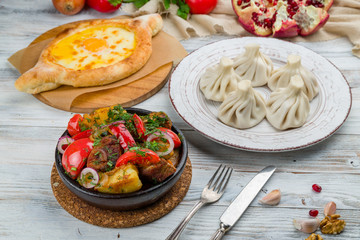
<point x="29" y="131"/>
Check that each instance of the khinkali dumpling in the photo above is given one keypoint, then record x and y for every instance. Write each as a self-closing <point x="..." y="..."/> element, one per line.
<point x="220" y="80"/>
<point x="243" y="108"/>
<point x="288" y="107"/>
<point x="253" y="65"/>
<point x="280" y="78"/>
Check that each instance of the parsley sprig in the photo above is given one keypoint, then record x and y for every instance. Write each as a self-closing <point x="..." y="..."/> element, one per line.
<point x="182" y="12"/>
<point x="118" y="113"/>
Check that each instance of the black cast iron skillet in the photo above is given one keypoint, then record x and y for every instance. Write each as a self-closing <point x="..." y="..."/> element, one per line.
<point x="125" y="201"/>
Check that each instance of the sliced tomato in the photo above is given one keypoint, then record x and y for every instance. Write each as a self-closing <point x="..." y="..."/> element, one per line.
<point x="84" y="134"/>
<point x="138" y="156"/>
<point x="174" y="136"/>
<point x="140" y="126"/>
<point x="75" y="156"/>
<point x="124" y="136"/>
<point x="73" y="125"/>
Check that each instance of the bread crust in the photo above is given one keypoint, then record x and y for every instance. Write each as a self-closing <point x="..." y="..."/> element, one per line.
<point x="47" y="75"/>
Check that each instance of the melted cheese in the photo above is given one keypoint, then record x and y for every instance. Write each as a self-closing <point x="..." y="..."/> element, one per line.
<point x="94" y="47"/>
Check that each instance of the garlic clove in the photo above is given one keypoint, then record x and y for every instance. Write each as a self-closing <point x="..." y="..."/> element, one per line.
<point x="272" y="198"/>
<point x="330" y="208"/>
<point x="307" y="225"/>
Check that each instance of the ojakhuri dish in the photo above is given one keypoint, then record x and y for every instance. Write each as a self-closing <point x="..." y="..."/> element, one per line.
<point x="121" y="159"/>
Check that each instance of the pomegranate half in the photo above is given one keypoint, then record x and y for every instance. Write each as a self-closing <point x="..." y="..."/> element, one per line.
<point x="282" y="18"/>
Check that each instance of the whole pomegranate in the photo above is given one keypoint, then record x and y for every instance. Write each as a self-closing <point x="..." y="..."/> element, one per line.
<point x="282" y="18"/>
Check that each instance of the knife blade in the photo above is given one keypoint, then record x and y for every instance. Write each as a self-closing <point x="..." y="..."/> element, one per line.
<point x="242" y="201"/>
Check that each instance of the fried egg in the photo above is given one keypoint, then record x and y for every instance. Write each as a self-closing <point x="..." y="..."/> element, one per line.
<point x="94" y="47"/>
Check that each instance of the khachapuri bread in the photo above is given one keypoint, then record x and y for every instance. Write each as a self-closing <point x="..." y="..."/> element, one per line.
<point x="93" y="53"/>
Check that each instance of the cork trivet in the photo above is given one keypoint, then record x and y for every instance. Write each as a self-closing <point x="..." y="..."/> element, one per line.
<point x="120" y="219"/>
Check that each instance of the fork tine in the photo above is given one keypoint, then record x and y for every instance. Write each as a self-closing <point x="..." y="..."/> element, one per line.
<point x="218" y="186"/>
<point x="221" y="191"/>
<point x="212" y="178"/>
<point x="217" y="179"/>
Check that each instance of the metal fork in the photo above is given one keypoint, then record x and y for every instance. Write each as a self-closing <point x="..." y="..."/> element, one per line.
<point x="211" y="193"/>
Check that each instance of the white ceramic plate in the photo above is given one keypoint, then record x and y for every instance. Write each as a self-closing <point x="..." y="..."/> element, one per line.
<point x="328" y="111"/>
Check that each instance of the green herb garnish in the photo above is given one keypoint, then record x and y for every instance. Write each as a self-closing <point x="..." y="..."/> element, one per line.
<point x="109" y="166"/>
<point x="182" y="12"/>
<point x="154" y="146"/>
<point x="117" y="113"/>
<point x="97" y="141"/>
<point x="138" y="151"/>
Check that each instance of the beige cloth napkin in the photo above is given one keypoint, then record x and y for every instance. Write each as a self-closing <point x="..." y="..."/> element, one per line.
<point x="344" y="21"/>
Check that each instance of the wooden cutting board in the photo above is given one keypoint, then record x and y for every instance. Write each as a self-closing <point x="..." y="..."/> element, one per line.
<point x="126" y="95"/>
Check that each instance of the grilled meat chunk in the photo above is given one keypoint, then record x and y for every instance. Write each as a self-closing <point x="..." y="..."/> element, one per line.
<point x="158" y="172"/>
<point x="104" y="155"/>
<point x="175" y="157"/>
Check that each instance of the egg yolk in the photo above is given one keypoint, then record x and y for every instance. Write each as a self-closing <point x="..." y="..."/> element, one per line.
<point x="94" y="47"/>
<point x="94" y="44"/>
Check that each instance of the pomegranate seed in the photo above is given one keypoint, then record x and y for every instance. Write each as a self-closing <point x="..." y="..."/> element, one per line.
<point x="257" y="4"/>
<point x="239" y="2"/>
<point x="315" y="3"/>
<point x="316" y="188"/>
<point x="313" y="213"/>
<point x="246" y="1"/>
<point x="268" y="23"/>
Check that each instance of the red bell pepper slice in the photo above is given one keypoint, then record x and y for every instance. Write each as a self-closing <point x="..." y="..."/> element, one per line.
<point x="139" y="156"/>
<point x="139" y="125"/>
<point x="73" y="125"/>
<point x="75" y="156"/>
<point x="84" y="134"/>
<point x="126" y="139"/>
<point x="174" y="136"/>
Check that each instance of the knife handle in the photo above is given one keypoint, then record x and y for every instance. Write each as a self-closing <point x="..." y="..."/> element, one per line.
<point x="219" y="233"/>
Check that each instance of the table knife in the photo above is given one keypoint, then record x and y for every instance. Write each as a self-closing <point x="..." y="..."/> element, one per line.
<point x="242" y="201"/>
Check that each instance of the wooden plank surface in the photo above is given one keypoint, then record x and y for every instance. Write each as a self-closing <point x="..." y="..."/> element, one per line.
<point x="29" y="131"/>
